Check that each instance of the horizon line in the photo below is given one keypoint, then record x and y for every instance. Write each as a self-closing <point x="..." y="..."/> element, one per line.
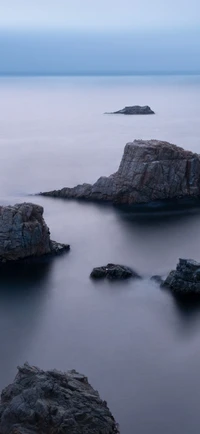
<point x="98" y="74"/>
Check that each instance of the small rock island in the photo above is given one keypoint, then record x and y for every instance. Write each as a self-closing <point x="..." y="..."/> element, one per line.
<point x="150" y="170"/>
<point x="185" y="280"/>
<point x="24" y="234"/>
<point x="44" y="402"/>
<point x="113" y="272"/>
<point x="134" y="110"/>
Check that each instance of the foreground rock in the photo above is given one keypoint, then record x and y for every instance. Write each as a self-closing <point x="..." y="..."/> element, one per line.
<point x="134" y="110"/>
<point x="113" y="272"/>
<point x="185" y="280"/>
<point x="44" y="402"/>
<point x="24" y="233"/>
<point x="150" y="171"/>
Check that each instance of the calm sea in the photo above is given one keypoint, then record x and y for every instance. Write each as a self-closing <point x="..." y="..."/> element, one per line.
<point x="139" y="347"/>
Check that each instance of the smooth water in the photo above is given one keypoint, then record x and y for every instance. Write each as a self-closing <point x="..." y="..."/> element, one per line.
<point x="138" y="345"/>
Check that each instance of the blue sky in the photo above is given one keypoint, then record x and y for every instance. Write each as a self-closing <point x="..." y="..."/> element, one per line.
<point x="105" y="36"/>
<point x="99" y="14"/>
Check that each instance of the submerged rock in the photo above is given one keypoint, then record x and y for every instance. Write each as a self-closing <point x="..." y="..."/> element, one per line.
<point x="134" y="110"/>
<point x="44" y="402"/>
<point x="157" y="279"/>
<point x="24" y="233"/>
<point x="185" y="280"/>
<point x="113" y="272"/>
<point x="150" y="170"/>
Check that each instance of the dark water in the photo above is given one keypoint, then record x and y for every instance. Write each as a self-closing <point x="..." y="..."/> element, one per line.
<point x="138" y="345"/>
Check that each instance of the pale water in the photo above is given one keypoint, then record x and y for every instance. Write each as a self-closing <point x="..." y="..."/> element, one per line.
<point x="139" y="347"/>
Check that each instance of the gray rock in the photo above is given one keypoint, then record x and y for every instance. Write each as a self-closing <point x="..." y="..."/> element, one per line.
<point x="185" y="280"/>
<point x="113" y="272"/>
<point x="24" y="233"/>
<point x="44" y="402"/>
<point x="134" y="110"/>
<point x="150" y="170"/>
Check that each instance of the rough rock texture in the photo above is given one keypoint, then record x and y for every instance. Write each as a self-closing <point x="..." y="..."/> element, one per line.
<point x="135" y="110"/>
<point x="113" y="272"/>
<point x="51" y="402"/>
<point x="24" y="233"/>
<point x="150" y="170"/>
<point x="185" y="280"/>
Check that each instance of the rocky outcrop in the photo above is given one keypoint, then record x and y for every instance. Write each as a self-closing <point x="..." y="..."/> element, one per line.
<point x="24" y="233"/>
<point x="134" y="110"/>
<point x="185" y="280"/>
<point x="44" y="402"/>
<point x="150" y="170"/>
<point x="113" y="272"/>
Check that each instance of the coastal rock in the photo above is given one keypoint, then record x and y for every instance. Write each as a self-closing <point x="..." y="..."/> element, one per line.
<point x="44" y="402"/>
<point x="24" y="233"/>
<point x="185" y="280"/>
<point x="113" y="272"/>
<point x="134" y="110"/>
<point x="150" y="170"/>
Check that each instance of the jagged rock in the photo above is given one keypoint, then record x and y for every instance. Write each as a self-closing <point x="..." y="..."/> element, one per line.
<point x="185" y="280"/>
<point x="134" y="110"/>
<point x="113" y="272"/>
<point x="24" y="233"/>
<point x="44" y="402"/>
<point x="150" y="170"/>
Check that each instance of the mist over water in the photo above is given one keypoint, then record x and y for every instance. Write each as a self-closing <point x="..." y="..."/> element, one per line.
<point x="138" y="345"/>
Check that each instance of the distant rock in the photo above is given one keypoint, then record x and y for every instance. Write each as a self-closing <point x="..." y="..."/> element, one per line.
<point x="150" y="170"/>
<point x="113" y="272"/>
<point x="134" y="110"/>
<point x="44" y="402"/>
<point x="24" y="233"/>
<point x="185" y="280"/>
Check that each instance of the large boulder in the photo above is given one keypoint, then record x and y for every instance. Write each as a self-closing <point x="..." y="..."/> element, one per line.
<point x="24" y="233"/>
<point x="150" y="170"/>
<point x="44" y="402"/>
<point x="134" y="110"/>
<point x="185" y="280"/>
<point x="113" y="272"/>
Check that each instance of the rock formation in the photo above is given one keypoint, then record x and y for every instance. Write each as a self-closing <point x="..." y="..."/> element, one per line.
<point x="185" y="280"/>
<point x="150" y="170"/>
<point x="113" y="272"/>
<point x="24" y="233"/>
<point x="44" y="402"/>
<point x="134" y="110"/>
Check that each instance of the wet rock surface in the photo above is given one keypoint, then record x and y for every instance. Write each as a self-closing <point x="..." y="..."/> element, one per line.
<point x="134" y="110"/>
<point x="24" y="234"/>
<point x="113" y="272"/>
<point x="185" y="280"/>
<point x="51" y="402"/>
<point x="150" y="171"/>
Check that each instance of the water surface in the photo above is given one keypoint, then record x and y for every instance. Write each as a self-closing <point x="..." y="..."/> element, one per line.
<point x="138" y="345"/>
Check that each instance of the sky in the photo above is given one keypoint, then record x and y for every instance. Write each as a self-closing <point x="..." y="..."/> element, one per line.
<point x="105" y="36"/>
<point x="99" y="14"/>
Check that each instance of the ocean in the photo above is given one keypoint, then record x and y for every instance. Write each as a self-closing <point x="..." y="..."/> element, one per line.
<point x="138" y="345"/>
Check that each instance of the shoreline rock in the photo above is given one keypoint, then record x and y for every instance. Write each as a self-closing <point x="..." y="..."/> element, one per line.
<point x="150" y="171"/>
<point x="185" y="280"/>
<point x="51" y="401"/>
<point x="134" y="110"/>
<point x="24" y="234"/>
<point x="113" y="272"/>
